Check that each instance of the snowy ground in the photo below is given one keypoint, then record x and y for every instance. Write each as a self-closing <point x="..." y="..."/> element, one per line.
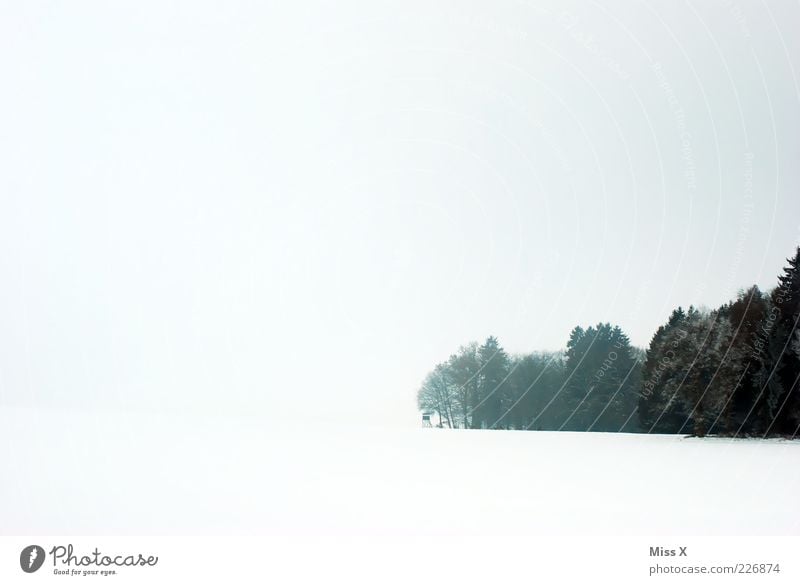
<point x="78" y="473"/>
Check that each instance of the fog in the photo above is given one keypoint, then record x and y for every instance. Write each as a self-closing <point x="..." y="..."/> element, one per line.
<point x="295" y="210"/>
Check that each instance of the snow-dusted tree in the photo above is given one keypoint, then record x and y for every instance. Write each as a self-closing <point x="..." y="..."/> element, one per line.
<point x="746" y="413"/>
<point x="659" y="411"/>
<point x="438" y="394"/>
<point x="463" y="368"/>
<point x="706" y="371"/>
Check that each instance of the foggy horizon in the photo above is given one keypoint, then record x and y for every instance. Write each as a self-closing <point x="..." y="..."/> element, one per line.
<point x="293" y="209"/>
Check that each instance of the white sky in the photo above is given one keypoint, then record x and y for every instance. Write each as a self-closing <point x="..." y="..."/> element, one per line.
<point x="300" y="208"/>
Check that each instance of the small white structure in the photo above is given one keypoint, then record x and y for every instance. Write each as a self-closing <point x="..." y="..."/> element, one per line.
<point x="426" y="420"/>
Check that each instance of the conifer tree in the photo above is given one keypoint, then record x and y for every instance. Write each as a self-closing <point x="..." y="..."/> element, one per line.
<point x="782" y="396"/>
<point x="657" y="412"/>
<point x="491" y="399"/>
<point x="603" y="376"/>
<point x="746" y="412"/>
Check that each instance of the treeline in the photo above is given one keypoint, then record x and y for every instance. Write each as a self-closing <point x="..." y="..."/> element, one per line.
<point x="732" y="371"/>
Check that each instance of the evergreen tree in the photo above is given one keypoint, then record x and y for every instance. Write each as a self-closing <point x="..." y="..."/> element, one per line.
<point x="746" y="413"/>
<point x="604" y="374"/>
<point x="734" y="371"/>
<point x="657" y="411"/>
<point x="782" y="396"/>
<point x="706" y="370"/>
<point x="532" y="385"/>
<point x="491" y="399"/>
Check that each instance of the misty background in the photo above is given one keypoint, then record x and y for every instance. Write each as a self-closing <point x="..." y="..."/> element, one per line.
<point x="294" y="210"/>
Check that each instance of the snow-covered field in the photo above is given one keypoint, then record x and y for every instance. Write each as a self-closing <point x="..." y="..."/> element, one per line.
<point x="77" y="473"/>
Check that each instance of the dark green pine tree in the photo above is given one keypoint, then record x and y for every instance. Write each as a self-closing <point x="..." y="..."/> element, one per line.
<point x="600" y="394"/>
<point x="491" y="399"/>
<point x="664" y="371"/>
<point x="617" y="381"/>
<point x="520" y="411"/>
<point x="576" y="388"/>
<point x="746" y="412"/>
<point x="533" y="383"/>
<point x="653" y="400"/>
<point x="783" y="398"/>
